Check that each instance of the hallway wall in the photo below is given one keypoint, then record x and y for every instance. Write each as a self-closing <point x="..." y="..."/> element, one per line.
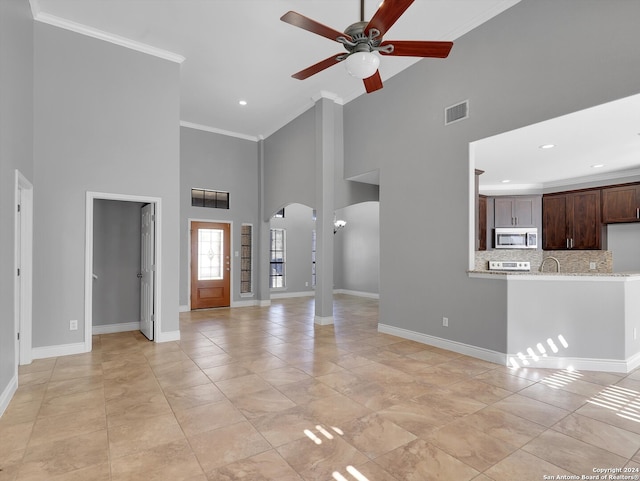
<point x="16" y="152"/>
<point x="116" y="262"/>
<point x="106" y="120"/>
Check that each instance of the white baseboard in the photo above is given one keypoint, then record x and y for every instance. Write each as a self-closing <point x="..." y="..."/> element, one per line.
<point x="247" y="303"/>
<point x="633" y="362"/>
<point x="573" y="363"/>
<point x="579" y="364"/>
<point x="168" y="336"/>
<point x="285" y="295"/>
<point x="113" y="328"/>
<point x="264" y="302"/>
<point x="459" y="347"/>
<point x="59" y="350"/>
<point x="370" y="295"/>
<point x="7" y="394"/>
<point x="183" y="309"/>
<point x="323" y="321"/>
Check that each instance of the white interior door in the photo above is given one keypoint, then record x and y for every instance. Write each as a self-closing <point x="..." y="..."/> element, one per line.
<point x="147" y="270"/>
<point x="18" y="284"/>
<point x="23" y="267"/>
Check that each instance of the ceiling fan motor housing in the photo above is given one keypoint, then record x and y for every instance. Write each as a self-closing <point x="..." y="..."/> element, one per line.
<point x="360" y="41"/>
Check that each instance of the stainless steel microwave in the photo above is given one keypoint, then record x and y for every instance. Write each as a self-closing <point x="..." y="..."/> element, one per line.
<point x="516" y="238"/>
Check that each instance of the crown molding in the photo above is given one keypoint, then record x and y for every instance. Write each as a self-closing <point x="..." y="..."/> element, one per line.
<point x="325" y="94"/>
<point x="206" y="128"/>
<point x="604" y="176"/>
<point x="54" y="21"/>
<point x="616" y="176"/>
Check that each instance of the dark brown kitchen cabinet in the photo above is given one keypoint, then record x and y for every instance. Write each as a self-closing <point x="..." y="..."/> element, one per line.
<point x="621" y="204"/>
<point x="482" y="223"/>
<point x="517" y="211"/>
<point x="571" y="221"/>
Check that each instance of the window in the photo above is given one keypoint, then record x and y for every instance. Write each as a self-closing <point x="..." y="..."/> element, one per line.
<point x="245" y="259"/>
<point x="210" y="253"/>
<point x="277" y="254"/>
<point x="279" y="214"/>
<point x="313" y="257"/>
<point x="209" y="198"/>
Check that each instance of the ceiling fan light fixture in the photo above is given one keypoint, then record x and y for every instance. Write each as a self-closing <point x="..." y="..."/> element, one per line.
<point x="362" y="65"/>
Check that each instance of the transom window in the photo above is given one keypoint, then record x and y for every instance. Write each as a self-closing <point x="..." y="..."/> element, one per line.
<point x="216" y="199"/>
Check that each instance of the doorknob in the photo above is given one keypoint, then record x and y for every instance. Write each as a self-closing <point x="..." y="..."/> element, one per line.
<point x="139" y="275"/>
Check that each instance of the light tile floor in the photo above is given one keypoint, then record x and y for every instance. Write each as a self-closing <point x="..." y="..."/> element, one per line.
<point x="264" y="394"/>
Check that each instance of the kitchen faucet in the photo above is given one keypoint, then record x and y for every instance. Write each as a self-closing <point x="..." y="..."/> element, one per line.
<point x="546" y="259"/>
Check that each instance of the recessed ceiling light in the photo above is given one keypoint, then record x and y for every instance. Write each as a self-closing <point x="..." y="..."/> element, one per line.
<point x="242" y="102"/>
<point x="547" y="146"/>
<point x="597" y="166"/>
<point x="506" y="181"/>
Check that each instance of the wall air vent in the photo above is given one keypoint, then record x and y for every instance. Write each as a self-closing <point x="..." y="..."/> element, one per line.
<point x="456" y="112"/>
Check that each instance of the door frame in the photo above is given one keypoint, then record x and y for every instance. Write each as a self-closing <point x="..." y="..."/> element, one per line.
<point x="191" y="220"/>
<point x="23" y="259"/>
<point x="88" y="262"/>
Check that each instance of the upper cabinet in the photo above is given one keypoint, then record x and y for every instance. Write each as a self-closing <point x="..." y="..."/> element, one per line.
<point x="516" y="211"/>
<point x="572" y="220"/>
<point x="482" y="223"/>
<point x="621" y="204"/>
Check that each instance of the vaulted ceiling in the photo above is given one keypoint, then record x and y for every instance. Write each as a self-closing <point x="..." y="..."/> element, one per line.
<point x="233" y="50"/>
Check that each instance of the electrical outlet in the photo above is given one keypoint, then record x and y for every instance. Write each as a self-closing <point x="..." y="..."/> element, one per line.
<point x="73" y="325"/>
<point x="593" y="266"/>
<point x="445" y="321"/>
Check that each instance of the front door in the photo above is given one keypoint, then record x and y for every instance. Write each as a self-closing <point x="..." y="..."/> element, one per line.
<point x="210" y="265"/>
<point x="147" y="270"/>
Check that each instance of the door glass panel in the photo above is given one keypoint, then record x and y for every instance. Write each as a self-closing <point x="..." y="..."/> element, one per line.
<point x="210" y="248"/>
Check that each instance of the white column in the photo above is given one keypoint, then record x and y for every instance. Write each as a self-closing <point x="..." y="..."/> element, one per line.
<point x="325" y="162"/>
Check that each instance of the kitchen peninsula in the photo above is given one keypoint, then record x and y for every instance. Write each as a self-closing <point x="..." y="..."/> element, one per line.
<point x="571" y="320"/>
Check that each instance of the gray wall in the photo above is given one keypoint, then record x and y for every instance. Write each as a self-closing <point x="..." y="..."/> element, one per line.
<point x="116" y="262"/>
<point x="623" y="240"/>
<point x="16" y="152"/>
<point x="106" y="120"/>
<point x="290" y="165"/>
<point x="538" y="60"/>
<point x="357" y="249"/>
<point x="217" y="162"/>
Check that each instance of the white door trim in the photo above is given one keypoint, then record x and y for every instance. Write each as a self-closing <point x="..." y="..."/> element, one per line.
<point x="190" y="220"/>
<point x="23" y="259"/>
<point x="88" y="276"/>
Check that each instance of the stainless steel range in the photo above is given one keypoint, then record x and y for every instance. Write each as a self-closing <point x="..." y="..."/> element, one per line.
<point x="509" y="265"/>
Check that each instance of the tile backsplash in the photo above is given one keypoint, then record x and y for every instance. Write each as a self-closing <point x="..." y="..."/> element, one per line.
<point x="570" y="261"/>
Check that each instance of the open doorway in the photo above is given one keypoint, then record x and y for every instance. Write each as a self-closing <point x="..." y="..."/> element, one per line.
<point x="100" y="297"/>
<point x="117" y="232"/>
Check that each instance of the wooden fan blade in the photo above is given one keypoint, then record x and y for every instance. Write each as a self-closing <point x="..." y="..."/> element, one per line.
<point x="305" y="23"/>
<point x="373" y="83"/>
<point x="417" y="48"/>
<point x="318" y="67"/>
<point x="386" y="15"/>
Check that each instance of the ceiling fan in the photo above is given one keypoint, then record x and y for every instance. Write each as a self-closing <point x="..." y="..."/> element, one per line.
<point x="363" y="38"/>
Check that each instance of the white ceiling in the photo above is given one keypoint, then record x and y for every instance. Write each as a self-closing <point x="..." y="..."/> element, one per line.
<point x="606" y="135"/>
<point x="239" y="49"/>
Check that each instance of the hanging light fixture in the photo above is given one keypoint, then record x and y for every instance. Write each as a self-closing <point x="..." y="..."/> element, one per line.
<point x="362" y="65"/>
<point x="338" y="224"/>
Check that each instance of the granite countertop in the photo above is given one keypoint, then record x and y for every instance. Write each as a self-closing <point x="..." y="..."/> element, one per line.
<point x="571" y="274"/>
